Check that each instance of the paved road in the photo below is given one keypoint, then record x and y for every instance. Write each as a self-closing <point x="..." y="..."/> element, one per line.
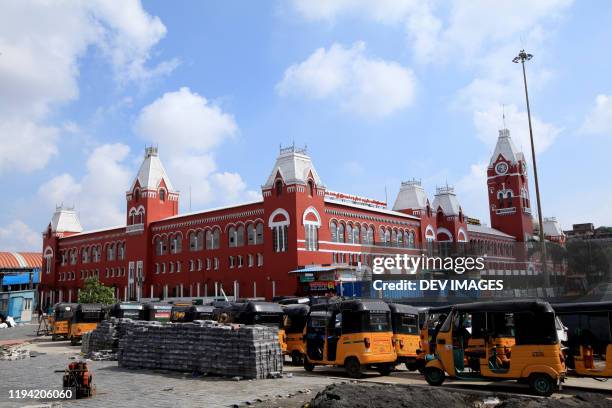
<point x="121" y="387"/>
<point x="142" y="388"/>
<point x="22" y="332"/>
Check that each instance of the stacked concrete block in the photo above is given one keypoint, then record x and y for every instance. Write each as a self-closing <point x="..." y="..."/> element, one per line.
<point x="205" y="347"/>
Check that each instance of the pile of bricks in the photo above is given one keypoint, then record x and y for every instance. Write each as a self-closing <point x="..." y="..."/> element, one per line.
<point x="107" y="334"/>
<point x="203" y="347"/>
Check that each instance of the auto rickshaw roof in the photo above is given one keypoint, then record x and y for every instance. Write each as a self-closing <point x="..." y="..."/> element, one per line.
<point x="582" y="307"/>
<point x="403" y="309"/>
<point x="129" y="306"/>
<point x="265" y="307"/>
<point x="296" y="309"/>
<point x="517" y="305"/>
<point x="64" y="306"/>
<point x="359" y="305"/>
<point x="90" y="307"/>
<point x="202" y="308"/>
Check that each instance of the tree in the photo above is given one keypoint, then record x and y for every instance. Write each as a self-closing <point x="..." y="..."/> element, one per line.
<point x="95" y="292"/>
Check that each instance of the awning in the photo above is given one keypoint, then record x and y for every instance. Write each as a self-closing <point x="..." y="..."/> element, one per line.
<point x="311" y="269"/>
<point x="20" y="278"/>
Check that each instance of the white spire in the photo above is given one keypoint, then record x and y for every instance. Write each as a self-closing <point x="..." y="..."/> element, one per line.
<point x="447" y="200"/>
<point x="412" y="196"/>
<point x="152" y="172"/>
<point x="294" y="165"/>
<point x="65" y="220"/>
<point x="506" y="148"/>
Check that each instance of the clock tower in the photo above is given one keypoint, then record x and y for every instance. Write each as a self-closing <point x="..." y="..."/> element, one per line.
<point x="508" y="190"/>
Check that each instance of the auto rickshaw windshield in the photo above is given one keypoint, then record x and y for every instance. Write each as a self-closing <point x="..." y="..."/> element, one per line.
<point x="363" y="322"/>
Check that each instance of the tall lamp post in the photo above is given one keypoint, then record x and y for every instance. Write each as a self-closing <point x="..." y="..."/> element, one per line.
<point x="522" y="57"/>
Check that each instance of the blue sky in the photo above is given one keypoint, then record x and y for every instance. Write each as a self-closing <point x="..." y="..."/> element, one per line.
<point x="379" y="91"/>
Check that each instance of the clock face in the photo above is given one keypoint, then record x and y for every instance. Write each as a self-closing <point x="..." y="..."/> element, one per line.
<point x="501" y="168"/>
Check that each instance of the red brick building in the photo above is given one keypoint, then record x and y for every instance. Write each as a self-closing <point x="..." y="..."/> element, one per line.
<point x="260" y="248"/>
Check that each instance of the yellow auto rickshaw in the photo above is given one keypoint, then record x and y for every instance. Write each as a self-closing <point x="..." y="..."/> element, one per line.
<point x="406" y="338"/>
<point x="62" y="316"/>
<point x="535" y="357"/>
<point x="85" y="319"/>
<point x="294" y="324"/>
<point x="353" y="334"/>
<point x="589" y="337"/>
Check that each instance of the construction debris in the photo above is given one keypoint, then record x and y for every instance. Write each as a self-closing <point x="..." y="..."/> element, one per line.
<point x="249" y="352"/>
<point x="11" y="353"/>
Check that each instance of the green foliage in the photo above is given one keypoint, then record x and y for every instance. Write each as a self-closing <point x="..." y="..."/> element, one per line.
<point x="95" y="292"/>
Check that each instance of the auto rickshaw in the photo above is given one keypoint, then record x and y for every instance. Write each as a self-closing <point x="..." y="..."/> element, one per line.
<point x="127" y="310"/>
<point x="253" y="312"/>
<point x="189" y="313"/>
<point x="406" y="338"/>
<point x="62" y="316"/>
<point x="352" y="334"/>
<point x="589" y="335"/>
<point x="159" y="312"/>
<point x="294" y="324"/>
<point x="85" y="319"/>
<point x="535" y="357"/>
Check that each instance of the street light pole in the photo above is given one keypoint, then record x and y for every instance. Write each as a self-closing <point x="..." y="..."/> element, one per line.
<point x="522" y="57"/>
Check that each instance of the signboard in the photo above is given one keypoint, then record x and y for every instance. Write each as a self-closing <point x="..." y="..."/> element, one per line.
<point x="307" y="277"/>
<point x="322" y="285"/>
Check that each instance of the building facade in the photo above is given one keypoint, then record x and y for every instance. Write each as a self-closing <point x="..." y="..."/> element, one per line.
<point x="19" y="279"/>
<point x="299" y="237"/>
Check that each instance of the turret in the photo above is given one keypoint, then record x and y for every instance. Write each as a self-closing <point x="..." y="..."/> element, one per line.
<point x="151" y="196"/>
<point x="508" y="189"/>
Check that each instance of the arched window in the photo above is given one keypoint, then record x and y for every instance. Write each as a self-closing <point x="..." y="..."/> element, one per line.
<point x="356" y="234"/>
<point x="200" y="235"/>
<point x="232" y="237"/>
<point x="251" y="237"/>
<point x="381" y="235"/>
<point x="312" y="237"/>
<point x="411" y="237"/>
<point x="509" y="197"/>
<point x="162" y="195"/>
<point x="349" y="233"/>
<point x="387" y="236"/>
<point x="279" y="223"/>
<point x="193" y="241"/>
<point x="176" y="244"/>
<point x="394" y="237"/>
<point x="240" y="236"/>
<point x="371" y="236"/>
<point x="400" y="238"/>
<point x="216" y="238"/>
<point x="137" y="194"/>
<point x="279" y="187"/>
<point x="259" y="231"/>
<point x="500" y="198"/>
<point x="310" y="188"/>
<point x="340" y="232"/>
<point x="333" y="229"/>
<point x="209" y="239"/>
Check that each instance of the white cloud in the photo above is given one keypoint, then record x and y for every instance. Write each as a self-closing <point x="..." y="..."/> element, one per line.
<point x="99" y="196"/>
<point x="187" y="128"/>
<point x="489" y="121"/>
<point x="183" y="121"/>
<point x="384" y="11"/>
<point x="17" y="236"/>
<point x="472" y="192"/>
<point x="369" y="87"/>
<point x="20" y="139"/>
<point x="41" y="45"/>
<point x="599" y="119"/>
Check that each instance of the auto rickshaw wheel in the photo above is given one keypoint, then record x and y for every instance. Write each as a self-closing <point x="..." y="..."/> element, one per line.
<point x="353" y="367"/>
<point x="434" y="376"/>
<point x="541" y="384"/>
<point x="308" y="366"/>
<point x="384" y="369"/>
<point x="296" y="358"/>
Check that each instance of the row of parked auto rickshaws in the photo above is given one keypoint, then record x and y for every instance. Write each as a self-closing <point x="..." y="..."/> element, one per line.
<point x="529" y="341"/>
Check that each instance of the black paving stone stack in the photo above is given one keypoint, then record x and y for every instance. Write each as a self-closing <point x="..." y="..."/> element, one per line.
<point x="108" y="333"/>
<point x="205" y="347"/>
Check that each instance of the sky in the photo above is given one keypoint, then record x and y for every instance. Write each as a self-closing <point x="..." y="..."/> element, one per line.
<point x="380" y="92"/>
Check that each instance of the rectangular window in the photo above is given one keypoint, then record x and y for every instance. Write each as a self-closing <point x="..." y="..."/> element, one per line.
<point x="240" y="261"/>
<point x="231" y="261"/>
<point x="208" y="264"/>
<point x="178" y="266"/>
<point x="251" y="260"/>
<point x="216" y="263"/>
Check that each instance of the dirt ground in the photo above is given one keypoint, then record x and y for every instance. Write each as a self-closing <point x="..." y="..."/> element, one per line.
<point x="364" y="395"/>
